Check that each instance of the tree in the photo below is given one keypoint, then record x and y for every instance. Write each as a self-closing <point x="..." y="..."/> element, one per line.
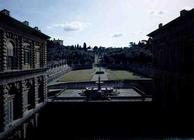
<point x="85" y="46"/>
<point x="95" y="49"/>
<point x="132" y="44"/>
<point x="89" y="47"/>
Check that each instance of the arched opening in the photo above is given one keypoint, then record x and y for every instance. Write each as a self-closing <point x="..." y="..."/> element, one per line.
<point x="31" y="96"/>
<point x="40" y="90"/>
<point x="30" y="128"/>
<point x="14" y="103"/>
<point x="27" y="57"/>
<point x="11" y="55"/>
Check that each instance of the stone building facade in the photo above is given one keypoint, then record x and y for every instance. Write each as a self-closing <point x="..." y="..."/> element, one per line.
<point x="58" y="41"/>
<point x="23" y="80"/>
<point x="173" y="61"/>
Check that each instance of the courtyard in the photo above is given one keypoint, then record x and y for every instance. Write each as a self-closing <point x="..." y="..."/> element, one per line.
<point x="77" y="76"/>
<point x="90" y="75"/>
<point x="122" y="75"/>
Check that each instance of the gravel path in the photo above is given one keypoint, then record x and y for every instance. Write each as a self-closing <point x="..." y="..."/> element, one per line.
<point x="103" y="77"/>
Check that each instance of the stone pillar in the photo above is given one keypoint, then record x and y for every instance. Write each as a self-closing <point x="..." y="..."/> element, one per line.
<point x="36" y="90"/>
<point x="44" y="54"/>
<point x="21" y="53"/>
<point x="36" y="119"/>
<point x="24" y="95"/>
<point x="24" y="130"/>
<point x="40" y="90"/>
<point x="45" y="87"/>
<point x="33" y="55"/>
<point x="32" y="122"/>
<point x="17" y="54"/>
<point x="1" y="50"/>
<point x="3" y="59"/>
<point x="3" y="107"/>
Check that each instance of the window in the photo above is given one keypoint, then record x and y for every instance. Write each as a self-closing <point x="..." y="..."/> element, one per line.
<point x="10" y="108"/>
<point x="25" y="100"/>
<point x="37" y="56"/>
<point x="9" y="49"/>
<point x="11" y="59"/>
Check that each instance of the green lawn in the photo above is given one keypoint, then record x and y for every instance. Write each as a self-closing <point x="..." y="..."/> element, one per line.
<point x="122" y="75"/>
<point x="77" y="76"/>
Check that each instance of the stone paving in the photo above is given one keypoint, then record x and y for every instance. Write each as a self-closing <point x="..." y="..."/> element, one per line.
<point x="103" y="77"/>
<point x="71" y="93"/>
<point x="128" y="92"/>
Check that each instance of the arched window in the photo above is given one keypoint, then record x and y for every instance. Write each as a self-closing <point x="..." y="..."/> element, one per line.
<point x="9" y="49"/>
<point x="31" y="95"/>
<point x="10" y="108"/>
<point x="11" y="59"/>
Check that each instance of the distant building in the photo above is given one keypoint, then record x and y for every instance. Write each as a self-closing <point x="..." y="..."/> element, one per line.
<point x="58" y="41"/>
<point x="173" y="60"/>
<point x="23" y="83"/>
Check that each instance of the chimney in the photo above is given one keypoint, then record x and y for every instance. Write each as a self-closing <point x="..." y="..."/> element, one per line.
<point x="36" y="28"/>
<point x="5" y="12"/>
<point x="183" y="12"/>
<point x="160" y="25"/>
<point x="26" y="23"/>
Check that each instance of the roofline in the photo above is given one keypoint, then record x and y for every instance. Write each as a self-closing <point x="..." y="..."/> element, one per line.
<point x="24" y="26"/>
<point x="189" y="13"/>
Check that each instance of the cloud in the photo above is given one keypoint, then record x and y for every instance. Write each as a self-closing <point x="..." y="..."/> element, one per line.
<point x="161" y="12"/>
<point x="117" y="35"/>
<point x="157" y="13"/>
<point x="55" y="26"/>
<point x="75" y="26"/>
<point x="71" y="26"/>
<point x="137" y="33"/>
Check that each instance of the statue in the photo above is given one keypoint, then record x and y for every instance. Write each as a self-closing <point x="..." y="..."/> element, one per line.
<point x="99" y="85"/>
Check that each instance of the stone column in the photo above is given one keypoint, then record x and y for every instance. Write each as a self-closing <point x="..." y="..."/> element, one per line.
<point x="24" y="95"/>
<point x="45" y="54"/>
<point x="36" y="119"/>
<point x="17" y="54"/>
<point x="3" y="107"/>
<point x="21" y="53"/>
<point x="1" y="50"/>
<point x="24" y="130"/>
<point x="41" y="55"/>
<point x="40" y="89"/>
<point x="3" y="59"/>
<point x="36" y="90"/>
<point x="45" y="87"/>
<point x="33" y="55"/>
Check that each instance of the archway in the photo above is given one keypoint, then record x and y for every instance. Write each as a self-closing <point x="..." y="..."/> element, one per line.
<point x="31" y="95"/>
<point x="11" y="55"/>
<point x="40" y="90"/>
<point x="16" y="95"/>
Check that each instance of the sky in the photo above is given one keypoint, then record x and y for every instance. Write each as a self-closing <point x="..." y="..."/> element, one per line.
<point x="107" y="23"/>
